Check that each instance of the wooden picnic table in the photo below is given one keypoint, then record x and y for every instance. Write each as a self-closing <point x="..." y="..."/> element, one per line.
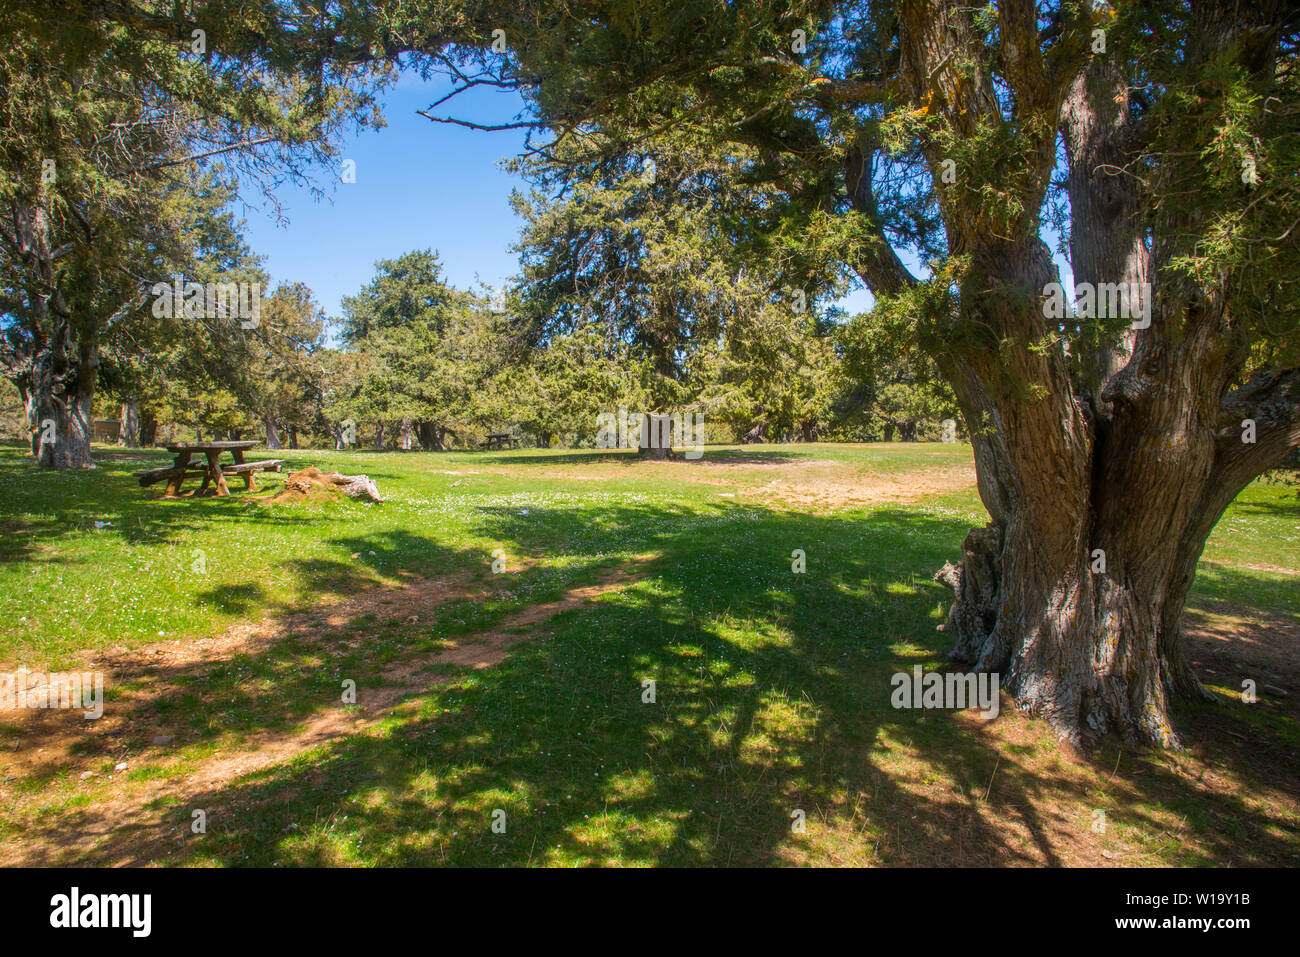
<point x="214" y="473"/>
<point x="501" y="440"/>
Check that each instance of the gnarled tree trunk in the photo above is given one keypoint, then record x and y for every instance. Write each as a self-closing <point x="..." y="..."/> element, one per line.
<point x="1102" y="473"/>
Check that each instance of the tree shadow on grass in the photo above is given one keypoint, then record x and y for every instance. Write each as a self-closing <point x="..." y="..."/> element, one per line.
<point x="771" y="698"/>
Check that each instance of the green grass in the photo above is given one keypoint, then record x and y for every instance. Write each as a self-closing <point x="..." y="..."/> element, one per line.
<point x="1260" y="529"/>
<point x="772" y="688"/>
<point x="187" y="567"/>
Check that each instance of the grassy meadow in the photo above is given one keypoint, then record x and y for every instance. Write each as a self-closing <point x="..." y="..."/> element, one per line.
<point x="502" y="717"/>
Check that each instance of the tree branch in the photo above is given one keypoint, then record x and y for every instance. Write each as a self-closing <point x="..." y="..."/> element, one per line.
<point x="879" y="265"/>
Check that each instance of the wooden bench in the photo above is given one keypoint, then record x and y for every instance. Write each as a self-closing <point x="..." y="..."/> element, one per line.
<point x="502" y="440"/>
<point x="245" y="469"/>
<point x="167" y="472"/>
<point x="267" y="465"/>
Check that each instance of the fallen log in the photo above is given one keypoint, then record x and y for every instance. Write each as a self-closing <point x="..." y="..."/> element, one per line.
<point x="302" y="483"/>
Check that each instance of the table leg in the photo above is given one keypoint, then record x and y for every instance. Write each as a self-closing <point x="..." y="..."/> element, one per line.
<point x="249" y="484"/>
<point x="181" y="462"/>
<point x="214" y="473"/>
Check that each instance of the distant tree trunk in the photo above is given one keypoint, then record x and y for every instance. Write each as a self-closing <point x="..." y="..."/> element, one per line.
<point x="406" y="435"/>
<point x="293" y="437"/>
<point x="148" y="428"/>
<point x="272" y="434"/>
<point x="33" y="421"/>
<point x="656" y="436"/>
<point x="379" y="437"/>
<point x="62" y="396"/>
<point x="433" y="437"/>
<point x="544" y="439"/>
<point x="129" y="435"/>
<point x="756" y="433"/>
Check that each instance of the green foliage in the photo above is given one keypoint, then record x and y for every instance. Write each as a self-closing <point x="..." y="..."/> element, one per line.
<point x="557" y="393"/>
<point x="418" y="352"/>
<point x="109" y="112"/>
<point x="1235" y="145"/>
<point x="898" y="392"/>
<point x="405" y="290"/>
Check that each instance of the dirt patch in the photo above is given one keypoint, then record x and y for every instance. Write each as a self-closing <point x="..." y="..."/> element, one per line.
<point x="56" y="740"/>
<point x="815" y="493"/>
<point x="1273" y="569"/>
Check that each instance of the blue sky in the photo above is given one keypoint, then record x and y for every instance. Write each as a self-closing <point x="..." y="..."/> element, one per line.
<point x="418" y="184"/>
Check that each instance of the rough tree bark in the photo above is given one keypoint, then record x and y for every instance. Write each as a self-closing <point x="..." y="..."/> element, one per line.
<point x="63" y="369"/>
<point x="63" y="394"/>
<point x="1100" y="497"/>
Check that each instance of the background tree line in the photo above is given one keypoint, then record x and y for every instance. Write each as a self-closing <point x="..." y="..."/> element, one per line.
<point x="414" y="363"/>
